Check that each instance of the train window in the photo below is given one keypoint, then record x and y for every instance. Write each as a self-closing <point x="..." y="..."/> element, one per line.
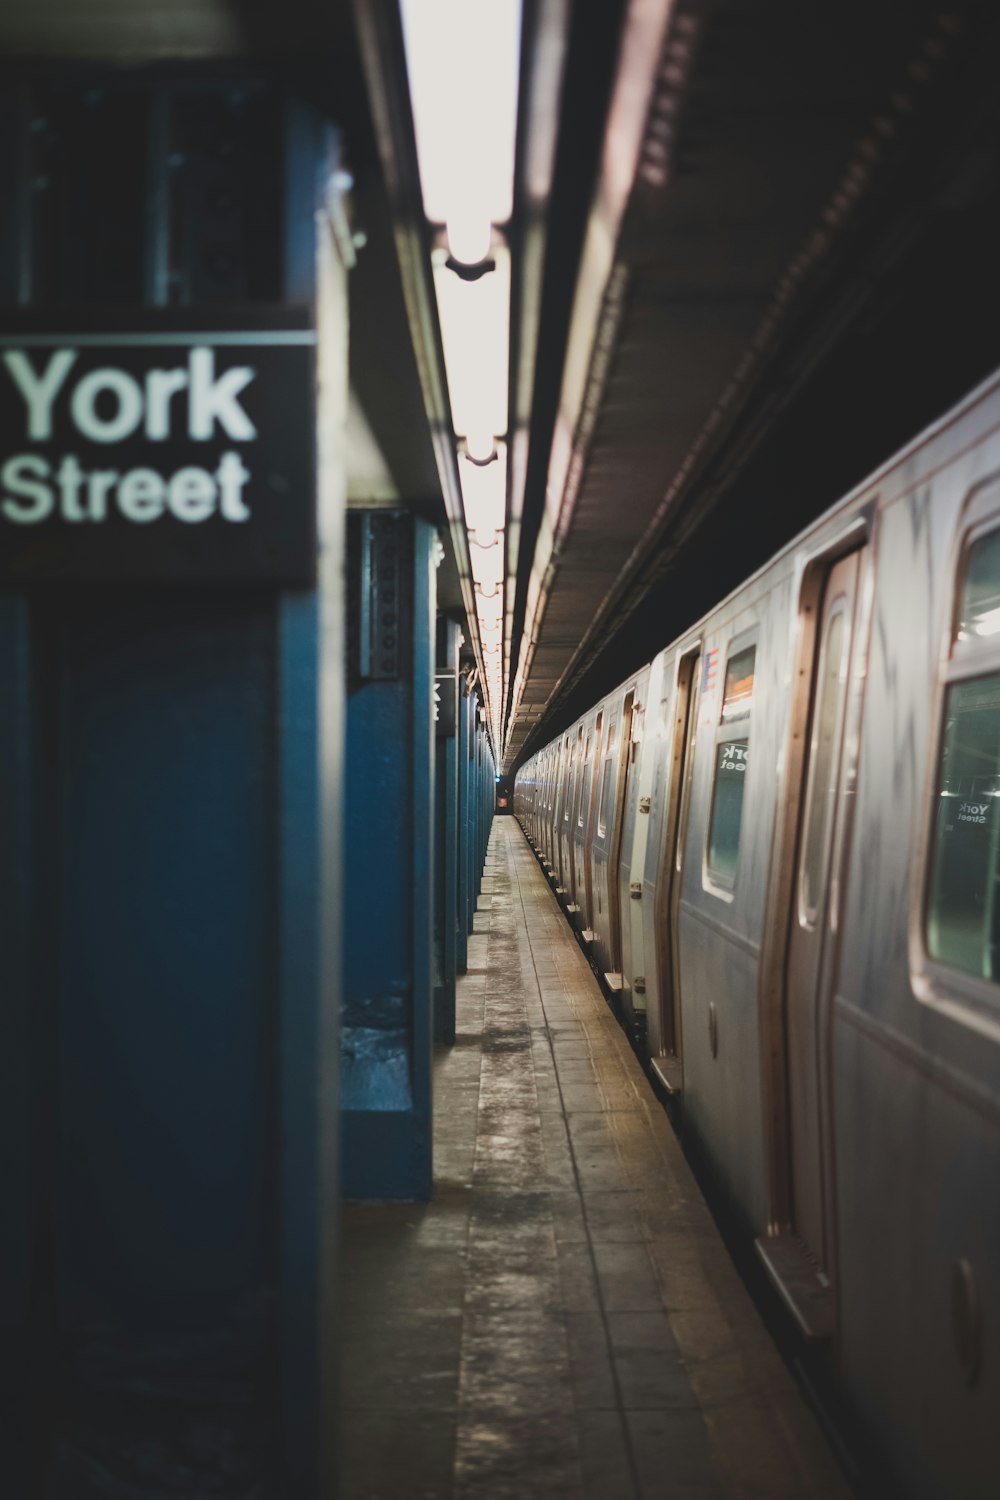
<point x="609" y="765"/>
<point x="602" y="826"/>
<point x="738" y="695"/>
<point x="963" y="911"/>
<point x="567" y="810"/>
<point x="727" y="808"/>
<point x="822" y="771"/>
<point x="963" y="895"/>
<point x="979" y="614"/>
<point x="583" y="794"/>
<point x="731" y="761"/>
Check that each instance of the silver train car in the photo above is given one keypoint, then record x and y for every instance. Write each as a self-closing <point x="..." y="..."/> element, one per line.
<point x="781" y="842"/>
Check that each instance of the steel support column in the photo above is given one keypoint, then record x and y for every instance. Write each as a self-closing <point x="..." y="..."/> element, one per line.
<point x="389" y="858"/>
<point x="449" y="639"/>
<point x="464" y="792"/>
<point x="169" y="863"/>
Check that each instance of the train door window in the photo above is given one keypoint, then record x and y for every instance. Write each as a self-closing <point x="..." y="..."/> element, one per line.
<point x="963" y="905"/>
<point x="568" y="786"/>
<point x="609" y="766"/>
<point x="731" y="761"/>
<point x="822" y="769"/>
<point x="593" y="754"/>
<point x="584" y="791"/>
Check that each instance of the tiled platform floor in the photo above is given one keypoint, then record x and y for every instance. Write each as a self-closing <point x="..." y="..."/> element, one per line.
<point x="563" y="1319"/>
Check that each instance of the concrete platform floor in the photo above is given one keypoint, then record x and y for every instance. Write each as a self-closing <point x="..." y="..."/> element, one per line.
<point x="562" y="1319"/>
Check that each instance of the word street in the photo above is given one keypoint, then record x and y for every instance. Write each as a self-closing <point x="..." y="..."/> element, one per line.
<point x="32" y="492"/>
<point x="111" y="406"/>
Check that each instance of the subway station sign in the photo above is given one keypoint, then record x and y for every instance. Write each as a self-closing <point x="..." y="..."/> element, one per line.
<point x="179" y="450"/>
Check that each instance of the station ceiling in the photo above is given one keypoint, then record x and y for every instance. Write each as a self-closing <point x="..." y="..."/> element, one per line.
<point x="727" y="217"/>
<point x="757" y="162"/>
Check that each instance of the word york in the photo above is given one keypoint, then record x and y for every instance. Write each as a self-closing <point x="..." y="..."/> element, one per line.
<point x="210" y="399"/>
<point x="110" y="405"/>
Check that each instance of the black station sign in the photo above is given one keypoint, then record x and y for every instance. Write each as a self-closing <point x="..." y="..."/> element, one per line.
<point x="179" y="450"/>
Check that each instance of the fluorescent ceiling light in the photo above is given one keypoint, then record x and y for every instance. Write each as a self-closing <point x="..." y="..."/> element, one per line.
<point x="475" y="331"/>
<point x="487" y="566"/>
<point x="484" y="494"/>
<point x="462" y="58"/>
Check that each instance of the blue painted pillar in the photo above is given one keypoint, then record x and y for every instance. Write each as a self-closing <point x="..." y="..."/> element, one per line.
<point x="26" y="1331"/>
<point x="484" y="798"/>
<point x="449" y="639"/>
<point x="389" y="857"/>
<point x="170" y="792"/>
<point x="464" y="792"/>
<point x="310" y="733"/>
<point x="472" y="831"/>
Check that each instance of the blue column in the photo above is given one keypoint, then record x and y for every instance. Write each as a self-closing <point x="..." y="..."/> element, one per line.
<point x="169" y="876"/>
<point x="24" y="1080"/>
<point x="446" y="831"/>
<point x="473" y="831"/>
<point x="388" y="853"/>
<point x="311" y="729"/>
<point x="464" y="791"/>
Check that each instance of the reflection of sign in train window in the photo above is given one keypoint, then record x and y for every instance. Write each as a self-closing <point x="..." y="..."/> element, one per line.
<point x="727" y="807"/>
<point x="734" y="756"/>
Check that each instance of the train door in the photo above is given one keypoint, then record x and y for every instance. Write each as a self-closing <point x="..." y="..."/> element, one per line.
<point x="569" y="815"/>
<point x="555" y="799"/>
<point x="602" y="842"/>
<point x="668" y="1061"/>
<point x="583" y="779"/>
<point x="547" y="807"/>
<point x="619" y="872"/>
<point x="809" y="955"/>
<point x="588" y="818"/>
<point x="565" y="814"/>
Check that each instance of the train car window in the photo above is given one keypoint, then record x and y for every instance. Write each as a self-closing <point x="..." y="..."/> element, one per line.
<point x="963" y="898"/>
<point x="822" y="772"/>
<point x="602" y="826"/>
<point x="567" y="811"/>
<point x="979" y="614"/>
<point x="609" y="765"/>
<point x="963" y="914"/>
<point x="727" y="808"/>
<point x="731" y="760"/>
<point x="738" y="695"/>
<point x="583" y="795"/>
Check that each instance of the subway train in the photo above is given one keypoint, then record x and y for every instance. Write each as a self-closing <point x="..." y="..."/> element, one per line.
<point x="780" y="843"/>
